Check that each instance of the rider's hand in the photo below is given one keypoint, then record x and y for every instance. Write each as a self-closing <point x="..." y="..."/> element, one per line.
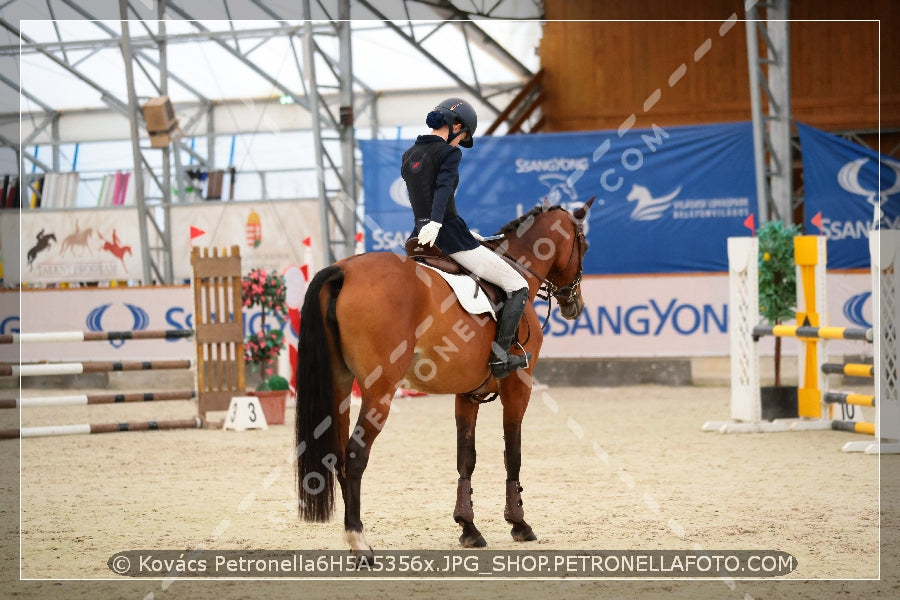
<point x="476" y="236"/>
<point x="428" y="233"/>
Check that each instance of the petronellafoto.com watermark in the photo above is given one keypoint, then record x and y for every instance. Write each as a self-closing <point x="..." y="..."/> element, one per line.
<point x="450" y="563"/>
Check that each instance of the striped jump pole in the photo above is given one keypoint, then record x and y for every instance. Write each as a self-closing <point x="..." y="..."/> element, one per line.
<point x="112" y="398"/>
<point x="44" y="369"/>
<point x="93" y="336"/>
<point x="849" y="369"/>
<point x="57" y="430"/>
<point x="849" y="398"/>
<point x="822" y="333"/>
<point x="854" y="427"/>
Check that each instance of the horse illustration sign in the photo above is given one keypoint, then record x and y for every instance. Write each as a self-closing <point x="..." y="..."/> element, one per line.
<point x="95" y="245"/>
<point x="104" y="244"/>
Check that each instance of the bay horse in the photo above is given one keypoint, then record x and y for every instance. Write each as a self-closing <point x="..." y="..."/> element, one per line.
<point x="385" y="320"/>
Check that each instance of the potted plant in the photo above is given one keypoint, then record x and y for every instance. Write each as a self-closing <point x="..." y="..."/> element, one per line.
<point x="261" y="349"/>
<point x="777" y="299"/>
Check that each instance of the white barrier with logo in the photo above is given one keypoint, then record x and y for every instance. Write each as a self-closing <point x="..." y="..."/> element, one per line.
<point x="106" y="309"/>
<point x="678" y="315"/>
<point x="642" y="316"/>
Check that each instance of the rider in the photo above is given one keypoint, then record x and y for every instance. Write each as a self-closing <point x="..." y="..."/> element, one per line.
<point x="431" y="171"/>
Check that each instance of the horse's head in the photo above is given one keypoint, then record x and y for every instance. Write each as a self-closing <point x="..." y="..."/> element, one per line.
<point x="550" y="243"/>
<point x="566" y="271"/>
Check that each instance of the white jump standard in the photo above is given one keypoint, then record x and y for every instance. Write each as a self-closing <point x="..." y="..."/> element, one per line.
<point x="815" y="403"/>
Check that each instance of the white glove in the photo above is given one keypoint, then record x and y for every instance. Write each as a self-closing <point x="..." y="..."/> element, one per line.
<point x="429" y="233"/>
<point x="476" y="236"/>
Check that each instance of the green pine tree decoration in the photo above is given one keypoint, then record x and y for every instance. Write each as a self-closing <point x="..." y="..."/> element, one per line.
<point x="777" y="278"/>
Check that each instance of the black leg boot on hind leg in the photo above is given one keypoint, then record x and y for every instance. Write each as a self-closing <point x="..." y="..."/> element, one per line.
<point x="503" y="363"/>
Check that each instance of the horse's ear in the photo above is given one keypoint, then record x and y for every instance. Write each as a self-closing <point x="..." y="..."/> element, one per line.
<point x="581" y="213"/>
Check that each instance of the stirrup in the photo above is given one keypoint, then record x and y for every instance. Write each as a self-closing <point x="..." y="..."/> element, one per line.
<point x="502" y="368"/>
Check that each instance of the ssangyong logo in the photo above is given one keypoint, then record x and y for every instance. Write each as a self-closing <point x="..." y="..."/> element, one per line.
<point x="398" y="193"/>
<point x="853" y="309"/>
<point x="558" y="188"/>
<point x="140" y="318"/>
<point x="848" y="178"/>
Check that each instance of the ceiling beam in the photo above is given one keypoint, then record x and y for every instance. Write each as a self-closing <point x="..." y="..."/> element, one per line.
<point x="440" y="65"/>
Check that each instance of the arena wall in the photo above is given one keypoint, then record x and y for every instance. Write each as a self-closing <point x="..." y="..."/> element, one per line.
<point x="599" y="72"/>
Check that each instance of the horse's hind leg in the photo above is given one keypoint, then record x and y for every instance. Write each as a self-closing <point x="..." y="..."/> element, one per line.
<point x="343" y="385"/>
<point x="373" y="414"/>
<point x="463" y="513"/>
<point x="515" y="396"/>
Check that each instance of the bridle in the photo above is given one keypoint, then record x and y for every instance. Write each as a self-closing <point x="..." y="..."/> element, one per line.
<point x="564" y="294"/>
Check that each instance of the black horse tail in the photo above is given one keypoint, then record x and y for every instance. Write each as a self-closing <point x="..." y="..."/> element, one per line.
<point x="315" y="417"/>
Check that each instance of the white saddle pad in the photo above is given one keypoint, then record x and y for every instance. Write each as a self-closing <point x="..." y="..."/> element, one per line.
<point x="464" y="287"/>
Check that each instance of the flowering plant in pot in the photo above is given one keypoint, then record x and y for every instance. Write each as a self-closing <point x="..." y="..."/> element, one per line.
<point x="777" y="299"/>
<point x="261" y="349"/>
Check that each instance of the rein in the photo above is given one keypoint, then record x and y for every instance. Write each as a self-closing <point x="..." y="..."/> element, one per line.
<point x="564" y="294"/>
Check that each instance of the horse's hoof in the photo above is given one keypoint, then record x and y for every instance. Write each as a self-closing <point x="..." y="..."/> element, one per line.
<point x="472" y="542"/>
<point x="363" y="558"/>
<point x="471" y="537"/>
<point x="360" y="549"/>
<point x="521" y="532"/>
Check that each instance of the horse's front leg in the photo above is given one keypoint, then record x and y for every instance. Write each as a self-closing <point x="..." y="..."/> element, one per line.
<point x="515" y="395"/>
<point x="463" y="512"/>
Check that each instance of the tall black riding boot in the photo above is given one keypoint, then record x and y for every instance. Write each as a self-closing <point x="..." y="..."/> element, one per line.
<point x="502" y="362"/>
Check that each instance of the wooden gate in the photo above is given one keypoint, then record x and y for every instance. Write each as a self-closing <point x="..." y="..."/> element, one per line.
<point x="219" y="327"/>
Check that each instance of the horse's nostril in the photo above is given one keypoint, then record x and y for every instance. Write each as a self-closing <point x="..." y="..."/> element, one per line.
<point x="571" y="310"/>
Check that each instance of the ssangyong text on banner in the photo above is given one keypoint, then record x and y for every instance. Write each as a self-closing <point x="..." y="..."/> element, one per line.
<point x="843" y="196"/>
<point x="623" y="316"/>
<point x="667" y="198"/>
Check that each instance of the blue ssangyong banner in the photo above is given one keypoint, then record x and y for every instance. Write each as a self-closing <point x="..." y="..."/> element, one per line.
<point x="667" y="197"/>
<point x="843" y="198"/>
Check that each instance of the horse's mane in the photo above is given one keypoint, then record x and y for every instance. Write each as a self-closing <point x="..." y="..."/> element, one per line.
<point x="514" y="224"/>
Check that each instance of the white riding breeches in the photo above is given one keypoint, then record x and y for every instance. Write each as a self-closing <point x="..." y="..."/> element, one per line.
<point x="488" y="265"/>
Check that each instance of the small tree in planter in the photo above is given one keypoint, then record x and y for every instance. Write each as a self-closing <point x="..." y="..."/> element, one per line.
<point x="261" y="349"/>
<point x="777" y="283"/>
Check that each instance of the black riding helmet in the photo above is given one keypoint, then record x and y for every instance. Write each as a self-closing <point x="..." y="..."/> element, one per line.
<point x="457" y="108"/>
